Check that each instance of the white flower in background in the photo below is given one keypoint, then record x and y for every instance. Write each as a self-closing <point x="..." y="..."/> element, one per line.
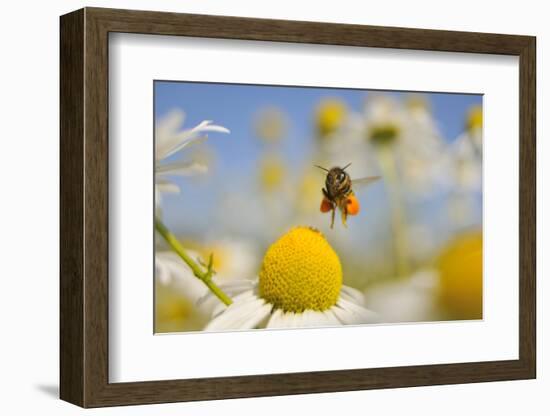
<point x="299" y="285"/>
<point x="271" y="124"/>
<point x="171" y="271"/>
<point x="177" y="294"/>
<point x="171" y="139"/>
<point x="407" y="299"/>
<point x="233" y="258"/>
<point x="467" y="153"/>
<point x="408" y="130"/>
<point x="426" y="165"/>
<point x="467" y="164"/>
<point x="339" y="140"/>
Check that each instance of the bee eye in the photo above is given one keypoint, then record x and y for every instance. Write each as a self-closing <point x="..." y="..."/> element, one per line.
<point x="341" y="177"/>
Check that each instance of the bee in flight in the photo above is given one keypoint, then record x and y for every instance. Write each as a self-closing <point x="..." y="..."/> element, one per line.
<point x="338" y="192"/>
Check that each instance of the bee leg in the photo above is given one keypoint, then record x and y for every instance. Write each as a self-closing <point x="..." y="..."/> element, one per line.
<point x="344" y="218"/>
<point x="332" y="218"/>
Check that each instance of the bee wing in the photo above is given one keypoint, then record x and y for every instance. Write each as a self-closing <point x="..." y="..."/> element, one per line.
<point x="362" y="182"/>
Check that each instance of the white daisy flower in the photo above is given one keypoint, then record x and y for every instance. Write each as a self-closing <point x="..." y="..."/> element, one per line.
<point x="467" y="153"/>
<point x="467" y="160"/>
<point x="171" y="139"/>
<point x="299" y="285"/>
<point x="233" y="258"/>
<point x="177" y="292"/>
<point x="170" y="268"/>
<point x="412" y="134"/>
<point x="171" y="271"/>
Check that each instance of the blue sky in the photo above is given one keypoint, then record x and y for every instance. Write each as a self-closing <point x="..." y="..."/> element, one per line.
<point x="235" y="107"/>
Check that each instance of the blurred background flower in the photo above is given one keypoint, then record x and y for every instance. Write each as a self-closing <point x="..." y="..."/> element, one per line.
<point x="177" y="292"/>
<point x="271" y="124"/>
<point x="461" y="281"/>
<point x="330" y="117"/>
<point x="413" y="250"/>
<point x="466" y="151"/>
<point x="272" y="173"/>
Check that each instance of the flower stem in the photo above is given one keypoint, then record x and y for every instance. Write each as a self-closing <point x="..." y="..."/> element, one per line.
<point x="389" y="169"/>
<point x="204" y="276"/>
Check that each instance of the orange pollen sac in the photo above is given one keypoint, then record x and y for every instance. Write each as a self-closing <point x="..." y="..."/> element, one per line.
<point x="352" y="205"/>
<point x="326" y="205"/>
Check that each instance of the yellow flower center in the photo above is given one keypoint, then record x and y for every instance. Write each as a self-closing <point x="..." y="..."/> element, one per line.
<point x="474" y="120"/>
<point x="301" y="271"/>
<point x="271" y="125"/>
<point x="331" y="114"/>
<point x="272" y="173"/>
<point x="417" y="103"/>
<point x="461" y="270"/>
<point x="384" y="133"/>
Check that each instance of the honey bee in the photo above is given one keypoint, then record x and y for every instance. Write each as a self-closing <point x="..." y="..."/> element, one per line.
<point x="338" y="192"/>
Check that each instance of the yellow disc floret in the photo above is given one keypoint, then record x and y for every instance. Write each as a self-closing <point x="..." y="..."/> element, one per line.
<point x="474" y="119"/>
<point x="301" y="271"/>
<point x="461" y="270"/>
<point x="331" y="114"/>
<point x="384" y="133"/>
<point x="272" y="173"/>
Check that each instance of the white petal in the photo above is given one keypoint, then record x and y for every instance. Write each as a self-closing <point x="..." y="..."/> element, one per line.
<point x="286" y="320"/>
<point x="181" y="168"/>
<point x="344" y="316"/>
<point x="168" y="145"/>
<point x="218" y="309"/>
<point x="237" y="283"/>
<point x="162" y="272"/>
<point x="317" y="318"/>
<point x="237" y="286"/>
<point x="222" y="307"/>
<point x="181" y="276"/>
<point x="331" y="318"/>
<point x="313" y="318"/>
<point x="207" y="126"/>
<point x="350" y="313"/>
<point x="352" y="295"/>
<point x="163" y="185"/>
<point x="282" y="319"/>
<point x="257" y="317"/>
<point x="275" y="320"/>
<point x="306" y="319"/>
<point x="233" y="289"/>
<point x="174" y="143"/>
<point x="292" y="320"/>
<point x="165" y="131"/>
<point x="237" y="314"/>
<point x="170" y="123"/>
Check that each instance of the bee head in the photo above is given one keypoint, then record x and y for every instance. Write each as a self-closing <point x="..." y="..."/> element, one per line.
<point x="338" y="178"/>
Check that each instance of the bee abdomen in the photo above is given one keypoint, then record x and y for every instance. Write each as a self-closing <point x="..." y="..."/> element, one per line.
<point x="346" y="189"/>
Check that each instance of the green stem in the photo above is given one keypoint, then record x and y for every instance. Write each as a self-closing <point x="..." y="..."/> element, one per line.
<point x="204" y="276"/>
<point x="387" y="164"/>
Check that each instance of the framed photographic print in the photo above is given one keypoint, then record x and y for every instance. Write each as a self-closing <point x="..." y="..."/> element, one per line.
<point x="255" y="207"/>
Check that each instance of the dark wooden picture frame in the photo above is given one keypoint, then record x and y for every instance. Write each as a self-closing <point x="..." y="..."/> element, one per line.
<point x="84" y="218"/>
